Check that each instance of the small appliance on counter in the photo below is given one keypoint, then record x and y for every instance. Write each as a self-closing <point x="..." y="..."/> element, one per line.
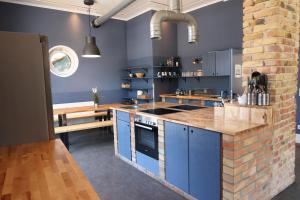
<point x="257" y="91"/>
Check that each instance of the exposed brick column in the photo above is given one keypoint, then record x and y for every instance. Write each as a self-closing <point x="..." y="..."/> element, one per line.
<point x="271" y="43"/>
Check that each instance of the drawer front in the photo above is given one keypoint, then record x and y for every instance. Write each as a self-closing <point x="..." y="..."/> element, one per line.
<point x="124" y="116"/>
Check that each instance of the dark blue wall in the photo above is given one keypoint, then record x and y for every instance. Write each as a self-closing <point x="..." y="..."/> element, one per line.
<point x="127" y="43"/>
<point x="139" y="44"/>
<point x="141" y="50"/>
<point x="64" y="28"/>
<point x="220" y="27"/>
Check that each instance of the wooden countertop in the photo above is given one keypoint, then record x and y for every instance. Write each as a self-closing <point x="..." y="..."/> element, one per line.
<point x="43" y="170"/>
<point x="61" y="111"/>
<point x="191" y="97"/>
<point x="212" y="119"/>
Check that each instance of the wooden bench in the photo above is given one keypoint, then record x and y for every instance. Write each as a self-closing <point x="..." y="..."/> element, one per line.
<point x="83" y="115"/>
<point x="84" y="126"/>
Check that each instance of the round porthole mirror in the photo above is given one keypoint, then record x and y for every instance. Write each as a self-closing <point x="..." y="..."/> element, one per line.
<point x="63" y="61"/>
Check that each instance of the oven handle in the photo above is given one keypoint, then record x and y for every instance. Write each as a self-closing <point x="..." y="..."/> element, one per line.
<point x="145" y="127"/>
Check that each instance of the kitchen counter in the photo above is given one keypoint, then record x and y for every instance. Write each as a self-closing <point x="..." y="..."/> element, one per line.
<point x="43" y="170"/>
<point x="212" y="119"/>
<point x="191" y="97"/>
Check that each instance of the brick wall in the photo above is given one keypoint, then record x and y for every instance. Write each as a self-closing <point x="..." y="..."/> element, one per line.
<point x="271" y="43"/>
<point x="247" y="170"/>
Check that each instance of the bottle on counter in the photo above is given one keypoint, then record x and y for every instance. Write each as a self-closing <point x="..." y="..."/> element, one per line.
<point x="249" y="95"/>
<point x="266" y="99"/>
<point x="260" y="101"/>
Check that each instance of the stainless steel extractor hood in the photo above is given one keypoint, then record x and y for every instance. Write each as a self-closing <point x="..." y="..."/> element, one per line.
<point x="173" y="15"/>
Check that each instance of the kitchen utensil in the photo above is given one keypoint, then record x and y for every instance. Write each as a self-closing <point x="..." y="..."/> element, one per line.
<point x="139" y="92"/>
<point x="140" y="74"/>
<point x="143" y="96"/>
<point x="131" y="75"/>
<point x="242" y="99"/>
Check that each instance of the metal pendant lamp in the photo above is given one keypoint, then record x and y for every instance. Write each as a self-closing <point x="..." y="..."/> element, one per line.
<point x="90" y="49"/>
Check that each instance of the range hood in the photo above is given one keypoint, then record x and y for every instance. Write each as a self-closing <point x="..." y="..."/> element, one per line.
<point x="173" y="15"/>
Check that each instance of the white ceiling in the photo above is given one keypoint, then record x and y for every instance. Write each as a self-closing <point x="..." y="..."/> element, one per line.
<point x="101" y="7"/>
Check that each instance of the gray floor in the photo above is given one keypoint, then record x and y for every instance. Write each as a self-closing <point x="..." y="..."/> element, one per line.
<point x="292" y="192"/>
<point x="113" y="179"/>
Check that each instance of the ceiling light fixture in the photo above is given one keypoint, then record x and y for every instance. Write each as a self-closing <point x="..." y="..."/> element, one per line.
<point x="90" y="49"/>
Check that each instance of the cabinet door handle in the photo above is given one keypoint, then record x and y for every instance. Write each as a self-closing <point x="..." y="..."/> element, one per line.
<point x="184" y="129"/>
<point x="192" y="131"/>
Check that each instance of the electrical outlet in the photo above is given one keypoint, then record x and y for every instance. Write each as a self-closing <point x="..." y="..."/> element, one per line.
<point x="298" y="127"/>
<point x="299" y="92"/>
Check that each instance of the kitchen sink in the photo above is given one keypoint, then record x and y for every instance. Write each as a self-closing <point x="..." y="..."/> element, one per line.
<point x="132" y="107"/>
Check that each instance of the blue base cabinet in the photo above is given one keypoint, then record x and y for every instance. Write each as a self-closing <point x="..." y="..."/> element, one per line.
<point x="148" y="163"/>
<point x="171" y="100"/>
<point x="204" y="164"/>
<point x="176" y="151"/>
<point x="193" y="160"/>
<point x="123" y="128"/>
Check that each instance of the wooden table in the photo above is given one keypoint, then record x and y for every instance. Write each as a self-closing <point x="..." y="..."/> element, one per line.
<point x="43" y="170"/>
<point x="62" y="116"/>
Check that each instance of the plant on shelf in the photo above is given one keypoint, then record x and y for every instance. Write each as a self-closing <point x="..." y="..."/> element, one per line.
<point x="95" y="96"/>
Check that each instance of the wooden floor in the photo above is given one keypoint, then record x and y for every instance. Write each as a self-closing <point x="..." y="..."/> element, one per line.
<point x="42" y="171"/>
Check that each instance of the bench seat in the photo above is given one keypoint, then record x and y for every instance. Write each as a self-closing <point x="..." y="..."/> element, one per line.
<point x="81" y="127"/>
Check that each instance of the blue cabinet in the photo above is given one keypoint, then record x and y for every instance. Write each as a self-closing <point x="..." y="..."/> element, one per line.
<point x="176" y="151"/>
<point x="217" y="63"/>
<point x="124" y="146"/>
<point x="223" y="63"/>
<point x="148" y="163"/>
<point x="209" y="103"/>
<point x="209" y="64"/>
<point x="124" y="116"/>
<point x="204" y="164"/>
<point x="171" y="100"/>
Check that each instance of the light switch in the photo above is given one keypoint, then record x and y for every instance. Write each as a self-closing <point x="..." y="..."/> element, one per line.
<point x="298" y="127"/>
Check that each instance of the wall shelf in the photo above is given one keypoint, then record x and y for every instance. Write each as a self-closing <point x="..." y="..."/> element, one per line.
<point x="138" y="89"/>
<point x="169" y="67"/>
<point x="195" y="77"/>
<point x="144" y="68"/>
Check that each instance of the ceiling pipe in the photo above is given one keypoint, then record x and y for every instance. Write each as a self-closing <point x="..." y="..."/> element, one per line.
<point x="173" y="15"/>
<point x="97" y="22"/>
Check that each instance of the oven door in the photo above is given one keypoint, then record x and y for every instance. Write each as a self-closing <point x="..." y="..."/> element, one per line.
<point x="146" y="139"/>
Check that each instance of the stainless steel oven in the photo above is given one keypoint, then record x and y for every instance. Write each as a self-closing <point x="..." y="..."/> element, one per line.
<point x="146" y="136"/>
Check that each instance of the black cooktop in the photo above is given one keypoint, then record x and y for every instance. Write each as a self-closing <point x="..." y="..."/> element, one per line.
<point x="160" y="111"/>
<point x="186" y="107"/>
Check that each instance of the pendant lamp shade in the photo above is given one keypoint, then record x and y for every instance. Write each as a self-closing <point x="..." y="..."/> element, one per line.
<point x="90" y="49"/>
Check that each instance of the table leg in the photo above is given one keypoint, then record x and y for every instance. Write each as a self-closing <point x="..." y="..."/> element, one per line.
<point x="62" y="121"/>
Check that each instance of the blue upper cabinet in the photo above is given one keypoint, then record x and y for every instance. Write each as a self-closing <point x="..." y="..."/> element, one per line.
<point x="176" y="150"/>
<point x="209" y="64"/>
<point x="217" y="63"/>
<point x="124" y="146"/>
<point x="204" y="164"/>
<point x="223" y="63"/>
